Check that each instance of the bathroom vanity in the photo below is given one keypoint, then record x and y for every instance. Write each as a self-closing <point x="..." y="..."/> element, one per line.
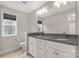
<point x="53" y="45"/>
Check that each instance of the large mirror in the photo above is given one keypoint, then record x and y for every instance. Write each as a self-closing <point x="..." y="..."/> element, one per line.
<point x="58" y="17"/>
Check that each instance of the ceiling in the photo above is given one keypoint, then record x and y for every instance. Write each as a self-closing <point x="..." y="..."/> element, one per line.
<point x="23" y="6"/>
<point x="30" y="6"/>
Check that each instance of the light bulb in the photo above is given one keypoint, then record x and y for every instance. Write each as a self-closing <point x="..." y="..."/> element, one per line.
<point x="40" y="12"/>
<point x="37" y="13"/>
<point x="44" y="10"/>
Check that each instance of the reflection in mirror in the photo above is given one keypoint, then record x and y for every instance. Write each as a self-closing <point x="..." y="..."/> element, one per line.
<point x="40" y="29"/>
<point x="59" y="17"/>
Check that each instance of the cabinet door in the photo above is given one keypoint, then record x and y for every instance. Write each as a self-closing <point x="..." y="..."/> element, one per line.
<point x="49" y="52"/>
<point x="33" y="46"/>
<point x="40" y="52"/>
<point x="40" y="48"/>
<point x="30" y="46"/>
<point x="35" y="42"/>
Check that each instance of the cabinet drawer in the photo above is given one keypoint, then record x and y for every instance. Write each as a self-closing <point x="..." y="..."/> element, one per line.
<point x="40" y="43"/>
<point x="30" y="39"/>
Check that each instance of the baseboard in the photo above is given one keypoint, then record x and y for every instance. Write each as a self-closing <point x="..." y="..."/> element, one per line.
<point x="9" y="50"/>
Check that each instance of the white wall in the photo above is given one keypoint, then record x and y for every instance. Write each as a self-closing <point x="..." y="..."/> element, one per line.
<point x="32" y="22"/>
<point x="9" y="43"/>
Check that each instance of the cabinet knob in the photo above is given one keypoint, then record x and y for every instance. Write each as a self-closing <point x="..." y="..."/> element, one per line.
<point x="40" y="48"/>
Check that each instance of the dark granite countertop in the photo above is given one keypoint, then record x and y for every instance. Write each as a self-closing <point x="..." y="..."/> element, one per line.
<point x="61" y="38"/>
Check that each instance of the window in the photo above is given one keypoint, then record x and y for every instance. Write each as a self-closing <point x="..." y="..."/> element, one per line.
<point x="9" y="26"/>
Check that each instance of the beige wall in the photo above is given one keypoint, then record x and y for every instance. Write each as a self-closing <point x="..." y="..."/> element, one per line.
<point x="9" y="43"/>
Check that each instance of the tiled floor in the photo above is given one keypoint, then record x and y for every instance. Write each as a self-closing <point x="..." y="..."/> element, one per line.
<point x="15" y="54"/>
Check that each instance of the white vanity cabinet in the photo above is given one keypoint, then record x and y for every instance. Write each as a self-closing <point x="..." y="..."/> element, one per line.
<point x="49" y="49"/>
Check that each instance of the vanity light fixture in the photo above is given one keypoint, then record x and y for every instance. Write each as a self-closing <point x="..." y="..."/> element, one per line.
<point x="41" y="11"/>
